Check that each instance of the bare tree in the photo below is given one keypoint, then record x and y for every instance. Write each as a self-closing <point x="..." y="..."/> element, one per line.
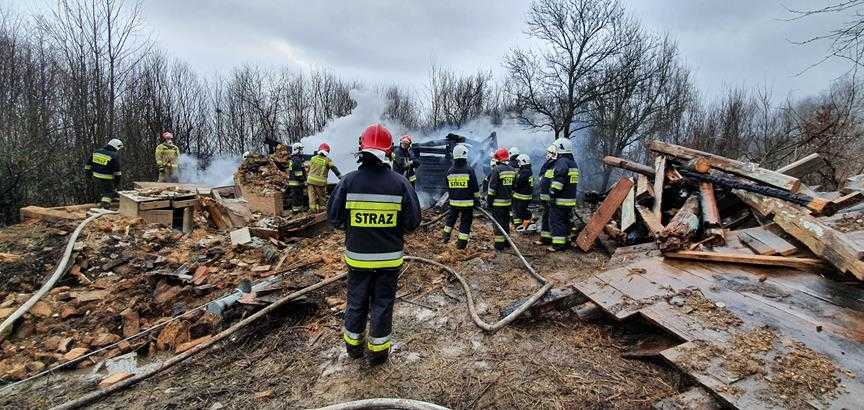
<point x="843" y="42"/>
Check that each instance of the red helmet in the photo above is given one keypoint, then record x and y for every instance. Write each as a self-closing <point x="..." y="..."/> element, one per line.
<point x="502" y="154"/>
<point x="324" y="147"/>
<point x="406" y="138"/>
<point x="376" y="140"/>
<point x="167" y="136"/>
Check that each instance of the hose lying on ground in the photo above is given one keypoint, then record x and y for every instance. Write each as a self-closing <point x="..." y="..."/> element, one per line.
<point x="397" y="404"/>
<point x="96" y="395"/>
<point x="6" y="326"/>
<point x="434" y="220"/>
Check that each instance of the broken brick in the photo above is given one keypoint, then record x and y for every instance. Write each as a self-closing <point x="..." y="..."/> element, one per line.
<point x="200" y="275"/>
<point x="75" y="353"/>
<point x="104" y="339"/>
<point x="41" y="309"/>
<point x="190" y="344"/>
<point x="83" y="297"/>
<point x="131" y="322"/>
<point x="67" y="312"/>
<point x="113" y="379"/>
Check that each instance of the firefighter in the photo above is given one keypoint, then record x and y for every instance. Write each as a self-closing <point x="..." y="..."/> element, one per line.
<point x="104" y="167"/>
<point x="316" y="177"/>
<point x="562" y="194"/>
<point x="523" y="191"/>
<point x="464" y="193"/>
<point x="546" y="174"/>
<point x="514" y="154"/>
<point x="498" y="197"/>
<point x="296" y="178"/>
<point x="167" y="155"/>
<point x="403" y="160"/>
<point x="376" y="207"/>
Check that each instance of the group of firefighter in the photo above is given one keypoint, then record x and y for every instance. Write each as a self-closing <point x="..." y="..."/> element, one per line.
<point x="376" y="205"/>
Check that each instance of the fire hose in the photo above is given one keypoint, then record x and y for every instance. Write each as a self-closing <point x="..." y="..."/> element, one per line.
<point x="398" y="404"/>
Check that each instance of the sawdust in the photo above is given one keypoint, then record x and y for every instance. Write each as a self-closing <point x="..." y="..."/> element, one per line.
<point x="801" y="374"/>
<point x="850" y="222"/>
<point x="700" y="355"/>
<point x="747" y="353"/>
<point x="711" y="314"/>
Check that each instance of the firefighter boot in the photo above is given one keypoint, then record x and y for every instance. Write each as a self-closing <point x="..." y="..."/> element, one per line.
<point x="462" y="241"/>
<point x="354" y="351"/>
<point x="445" y="237"/>
<point x="377" y="358"/>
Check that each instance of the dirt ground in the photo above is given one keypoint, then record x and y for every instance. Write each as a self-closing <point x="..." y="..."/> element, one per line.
<point x="295" y="359"/>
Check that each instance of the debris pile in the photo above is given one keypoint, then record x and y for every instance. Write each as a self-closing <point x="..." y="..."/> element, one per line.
<point x="262" y="175"/>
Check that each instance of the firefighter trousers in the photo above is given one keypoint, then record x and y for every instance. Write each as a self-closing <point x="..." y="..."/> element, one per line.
<point x="502" y="216"/>
<point x="545" y="229"/>
<point x="466" y="218"/>
<point x="297" y="196"/>
<point x="317" y="197"/>
<point x="168" y="174"/>
<point x="520" y="211"/>
<point x="561" y="223"/>
<point x="106" y="191"/>
<point x="371" y="294"/>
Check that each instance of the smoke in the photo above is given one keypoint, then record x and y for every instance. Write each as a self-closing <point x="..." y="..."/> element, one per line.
<point x="220" y="171"/>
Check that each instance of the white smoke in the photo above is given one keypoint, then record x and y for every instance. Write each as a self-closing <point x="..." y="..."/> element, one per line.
<point x="220" y="171"/>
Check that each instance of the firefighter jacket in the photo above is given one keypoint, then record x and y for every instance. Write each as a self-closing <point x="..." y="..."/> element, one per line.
<point x="500" y="185"/>
<point x="565" y="178"/>
<point x="404" y="163"/>
<point x="376" y="207"/>
<point x="104" y="164"/>
<point x="296" y="172"/>
<point x="547" y="171"/>
<point x="319" y="168"/>
<point x="166" y="156"/>
<point x="462" y="187"/>
<point x="523" y="184"/>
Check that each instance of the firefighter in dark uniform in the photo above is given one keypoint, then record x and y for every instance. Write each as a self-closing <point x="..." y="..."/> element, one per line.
<point x="562" y="193"/>
<point x="376" y="207"/>
<point x="464" y="193"/>
<point x="104" y="167"/>
<point x="514" y="155"/>
<point x="296" y="178"/>
<point x="546" y="174"/>
<point x="523" y="191"/>
<point x="498" y="197"/>
<point x="403" y="160"/>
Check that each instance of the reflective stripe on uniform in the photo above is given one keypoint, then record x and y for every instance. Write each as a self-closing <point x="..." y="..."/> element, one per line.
<point x="379" y="344"/>
<point x="517" y="221"/>
<point x="565" y="201"/>
<point x="394" y="199"/>
<point x="413" y="178"/>
<point x="373" y="260"/>
<point x="463" y="236"/>
<point x="102" y="176"/>
<point x="353" y="339"/>
<point x="574" y="175"/>
<point x="545" y="234"/>
<point x="500" y="238"/>
<point x="458" y="181"/>
<point x="118" y="173"/>
<point x="106" y="199"/>
<point x="556" y="185"/>
<point x="374" y="202"/>
<point x="545" y="197"/>
<point x="294" y="183"/>
<point x="462" y="203"/>
<point x="101" y="159"/>
<point x="477" y="194"/>
<point x="448" y="229"/>
<point x="315" y="180"/>
<point x="521" y="196"/>
<point x="559" y="240"/>
<point x="550" y="173"/>
<point x="501" y="202"/>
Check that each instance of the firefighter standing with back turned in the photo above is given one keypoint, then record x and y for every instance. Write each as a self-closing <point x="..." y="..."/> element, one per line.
<point x="523" y="191"/>
<point x="498" y="197"/>
<point x="464" y="194"/>
<point x="376" y="207"/>
<point x="546" y="174"/>
<point x="316" y="178"/>
<point x="296" y="178"/>
<point x="562" y="192"/>
<point x="104" y="167"/>
<point x="167" y="155"/>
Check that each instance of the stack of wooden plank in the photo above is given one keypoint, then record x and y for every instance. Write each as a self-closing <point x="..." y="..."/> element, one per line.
<point x="165" y="206"/>
<point x="691" y="202"/>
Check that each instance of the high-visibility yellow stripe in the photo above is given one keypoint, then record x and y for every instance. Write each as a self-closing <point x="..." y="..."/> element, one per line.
<point x="557" y="185"/>
<point x="565" y="202"/>
<point x="393" y="263"/>
<point x="550" y="173"/>
<point x="294" y="183"/>
<point x="462" y="203"/>
<point x="103" y="176"/>
<point x="545" y="234"/>
<point x="500" y="239"/>
<point x="350" y="341"/>
<point x="501" y="202"/>
<point x="373" y="206"/>
<point x="101" y="159"/>
<point x="379" y="347"/>
<point x="545" y="197"/>
<point x="448" y="229"/>
<point x="463" y="236"/>
<point x="559" y="240"/>
<point x="521" y="196"/>
<point x="517" y="221"/>
<point x="413" y="178"/>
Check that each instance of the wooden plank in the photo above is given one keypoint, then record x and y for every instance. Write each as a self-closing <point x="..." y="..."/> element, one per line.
<point x="847" y="200"/>
<point x="628" y="210"/>
<point x="187" y="220"/>
<point x="710" y="211"/>
<point x="158" y="216"/>
<point x="268" y="205"/>
<point x="49" y="214"/>
<point x="604" y="213"/>
<point x="151" y="205"/>
<point x="789" y="262"/>
<point x="628" y="165"/>
<point x="643" y="187"/>
<point x="651" y="222"/>
<point x="749" y="171"/>
<point x="681" y="228"/>
<point x="183" y="203"/>
<point x="659" y="182"/>
<point x="756" y="245"/>
<point x="772" y="240"/>
<point x="200" y="189"/>
<point x="803" y="166"/>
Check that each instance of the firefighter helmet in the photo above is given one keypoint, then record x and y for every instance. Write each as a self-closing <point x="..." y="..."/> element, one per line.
<point x="116" y="144"/>
<point x="523" y="160"/>
<point x="324" y="147"/>
<point x="514" y="152"/>
<point x="297" y="147"/>
<point x="501" y="154"/>
<point x="460" y="151"/>
<point x="563" y="146"/>
<point x="377" y="141"/>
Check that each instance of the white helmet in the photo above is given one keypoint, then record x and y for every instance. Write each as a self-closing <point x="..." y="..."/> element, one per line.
<point x="297" y="147"/>
<point x="117" y="144"/>
<point x="460" y="151"/>
<point x="513" y="152"/>
<point x="563" y="146"/>
<point x="523" y="160"/>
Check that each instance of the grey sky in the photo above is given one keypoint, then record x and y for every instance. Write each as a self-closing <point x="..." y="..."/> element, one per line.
<point x="730" y="42"/>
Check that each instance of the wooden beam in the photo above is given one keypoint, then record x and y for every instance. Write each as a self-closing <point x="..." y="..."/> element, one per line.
<point x="651" y="222"/>
<point x="846" y="201"/>
<point x="681" y="228"/>
<point x="643" y="187"/>
<point x="628" y="210"/>
<point x="628" y="165"/>
<point x="770" y="240"/>
<point x="749" y="171"/>
<point x="820" y="238"/>
<point x="803" y="166"/>
<point x="50" y="214"/>
<point x="659" y="180"/>
<point x="604" y="213"/>
<point x="762" y="260"/>
<point x="710" y="211"/>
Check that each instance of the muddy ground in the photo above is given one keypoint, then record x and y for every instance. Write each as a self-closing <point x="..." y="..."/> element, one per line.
<point x="295" y="358"/>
